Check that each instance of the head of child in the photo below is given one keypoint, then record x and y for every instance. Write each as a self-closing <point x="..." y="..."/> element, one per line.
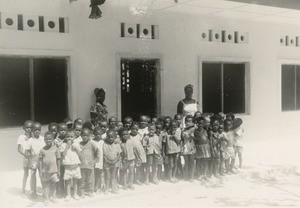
<point x="237" y="122"/>
<point x="103" y="125"/>
<point x="230" y="116"/>
<point x="85" y="135"/>
<point x="200" y="122"/>
<point x="143" y="122"/>
<point x="36" y="129"/>
<point x="123" y="134"/>
<point x="28" y="127"/>
<point x="78" y="128"/>
<point x="98" y="133"/>
<point x="48" y="138"/>
<point x="68" y="121"/>
<point x="151" y="129"/>
<point x="167" y="122"/>
<point x="127" y="122"/>
<point x="53" y="127"/>
<point x="134" y="129"/>
<point x="178" y="117"/>
<point x="154" y="120"/>
<point x="188" y="121"/>
<point x="206" y="123"/>
<point x="159" y="127"/>
<point x="110" y="136"/>
<point x="112" y="122"/>
<point x="78" y="121"/>
<point x="215" y="124"/>
<point x="70" y="135"/>
<point x="87" y="125"/>
<point x="221" y="128"/>
<point x="62" y="129"/>
<point x="173" y="126"/>
<point x="120" y="125"/>
<point x="227" y="125"/>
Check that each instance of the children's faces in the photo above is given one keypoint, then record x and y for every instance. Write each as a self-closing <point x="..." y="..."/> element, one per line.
<point x="70" y="136"/>
<point x="48" y="139"/>
<point x="143" y="122"/>
<point x="124" y="135"/>
<point x="36" y="129"/>
<point x="134" y="130"/>
<point x="227" y="125"/>
<point x="188" y="122"/>
<point x="103" y="125"/>
<point x="201" y="124"/>
<point x="221" y="129"/>
<point x="159" y="128"/>
<point x="215" y="126"/>
<point x="78" y="129"/>
<point x="27" y="127"/>
<point x="53" y="129"/>
<point x="120" y="124"/>
<point x="62" y="129"/>
<point x="85" y="134"/>
<point x="112" y="121"/>
<point x="151" y="130"/>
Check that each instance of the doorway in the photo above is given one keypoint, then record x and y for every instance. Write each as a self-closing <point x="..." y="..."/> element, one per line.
<point x="140" y="86"/>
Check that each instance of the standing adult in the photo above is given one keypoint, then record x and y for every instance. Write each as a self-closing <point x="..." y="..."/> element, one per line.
<point x="188" y="106"/>
<point x="98" y="110"/>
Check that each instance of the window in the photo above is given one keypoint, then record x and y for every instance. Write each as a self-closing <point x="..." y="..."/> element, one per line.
<point x="290" y="87"/>
<point x="224" y="87"/>
<point x="32" y="88"/>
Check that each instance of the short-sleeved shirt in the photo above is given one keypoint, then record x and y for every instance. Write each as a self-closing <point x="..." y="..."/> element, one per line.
<point x="153" y="144"/>
<point x="201" y="136"/>
<point x="71" y="157"/>
<point x="35" y="145"/>
<point x="171" y="145"/>
<point x="239" y="136"/>
<point x="59" y="144"/>
<point x="128" y="149"/>
<point x="23" y="142"/>
<point x="49" y="158"/>
<point x="99" y="145"/>
<point x="111" y="152"/>
<point x="188" y="146"/>
<point x="140" y="150"/>
<point x="231" y="138"/>
<point x="143" y="131"/>
<point x="90" y="154"/>
<point x="78" y="139"/>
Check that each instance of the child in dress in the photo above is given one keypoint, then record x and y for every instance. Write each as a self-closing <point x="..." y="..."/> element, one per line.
<point x="141" y="159"/>
<point x="127" y="122"/>
<point x="71" y="162"/>
<point x="167" y="122"/>
<point x="162" y="140"/>
<point x="112" y="122"/>
<point x="172" y="149"/>
<point x="120" y="125"/>
<point x="153" y="151"/>
<point x="112" y="155"/>
<point x="49" y="157"/>
<point x="230" y="151"/>
<point x="53" y="127"/>
<point x="202" y="155"/>
<point x="78" y="128"/>
<point x="188" y="147"/>
<point x="23" y="150"/>
<point x="239" y="131"/>
<point x="128" y="157"/>
<point x="99" y="133"/>
<point x="143" y="130"/>
<point x="35" y="144"/>
<point x="223" y="144"/>
<point x="90" y="156"/>
<point x="215" y="148"/>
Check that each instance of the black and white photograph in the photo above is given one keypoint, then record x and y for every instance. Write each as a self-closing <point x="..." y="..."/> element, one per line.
<point x="149" y="103"/>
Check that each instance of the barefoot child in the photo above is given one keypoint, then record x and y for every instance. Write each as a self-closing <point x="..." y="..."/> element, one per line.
<point x="215" y="146"/>
<point x="229" y="151"/>
<point x="49" y="157"/>
<point x="71" y="161"/>
<point x="23" y="150"/>
<point x="53" y="127"/>
<point x="100" y="135"/>
<point x="239" y="131"/>
<point x="35" y="144"/>
<point x="162" y="140"/>
<point x="111" y="154"/>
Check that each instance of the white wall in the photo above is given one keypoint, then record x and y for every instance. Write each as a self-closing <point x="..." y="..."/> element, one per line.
<point x="93" y="46"/>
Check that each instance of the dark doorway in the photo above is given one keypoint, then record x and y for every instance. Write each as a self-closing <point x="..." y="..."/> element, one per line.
<point x="139" y="87"/>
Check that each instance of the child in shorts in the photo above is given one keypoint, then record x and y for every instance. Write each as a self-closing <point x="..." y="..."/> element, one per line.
<point x="90" y="156"/>
<point x="71" y="161"/>
<point x="229" y="151"/>
<point x="49" y="157"/>
<point x="223" y="144"/>
<point x="239" y="131"/>
<point x="35" y="144"/>
<point x="153" y="151"/>
<point x="215" y="147"/>
<point x="111" y="163"/>
<point x="23" y="150"/>
<point x="99" y="133"/>
<point x="162" y="140"/>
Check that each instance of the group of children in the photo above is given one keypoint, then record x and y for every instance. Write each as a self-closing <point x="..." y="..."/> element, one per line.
<point x="86" y="158"/>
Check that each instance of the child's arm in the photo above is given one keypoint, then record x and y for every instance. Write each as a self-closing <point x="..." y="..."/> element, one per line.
<point x="21" y="152"/>
<point x="64" y="152"/>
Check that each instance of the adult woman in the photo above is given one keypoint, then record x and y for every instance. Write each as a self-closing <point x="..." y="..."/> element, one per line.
<point x="99" y="110"/>
<point x="188" y="106"/>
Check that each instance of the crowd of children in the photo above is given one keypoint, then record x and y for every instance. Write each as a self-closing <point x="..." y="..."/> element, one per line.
<point x="78" y="159"/>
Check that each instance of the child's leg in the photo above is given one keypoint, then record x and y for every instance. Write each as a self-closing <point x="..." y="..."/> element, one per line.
<point x="186" y="166"/>
<point x="175" y="167"/>
<point x="123" y="173"/>
<point x="147" y="173"/>
<point x="131" y="176"/>
<point x="102" y="181"/>
<point x="89" y="181"/>
<point x="53" y="186"/>
<point x="108" y="178"/>
<point x="97" y="179"/>
<point x="33" y="181"/>
<point x="154" y="169"/>
<point x="75" y="187"/>
<point x="216" y="167"/>
<point x="25" y="177"/>
<point x="68" y="188"/>
<point x="159" y="172"/>
<point x="82" y="182"/>
<point x="206" y="163"/>
<point x="198" y="168"/>
<point x="191" y="170"/>
<point x="240" y="152"/>
<point x="170" y="167"/>
<point x="46" y="188"/>
<point x="114" y="179"/>
<point x="232" y="161"/>
<point x="227" y="165"/>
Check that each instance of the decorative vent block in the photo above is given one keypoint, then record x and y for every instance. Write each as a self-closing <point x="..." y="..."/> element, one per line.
<point x="143" y="31"/>
<point x="30" y="23"/>
<point x="283" y="40"/>
<point x="51" y="24"/>
<point x="204" y="35"/>
<point x="9" y="21"/>
<point x="241" y="37"/>
<point x="215" y="35"/>
<point x="228" y="36"/>
<point x="289" y="40"/>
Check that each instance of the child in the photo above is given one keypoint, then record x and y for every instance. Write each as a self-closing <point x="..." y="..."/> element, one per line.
<point x="143" y="130"/>
<point x="90" y="156"/>
<point x="77" y="121"/>
<point x="62" y="130"/>
<point x="153" y="151"/>
<point x="112" y="122"/>
<point x="202" y="155"/>
<point x="162" y="140"/>
<point x="99" y="133"/>
<point x="111" y="162"/>
<point x="141" y="159"/>
<point x="128" y="157"/>
<point x="154" y="120"/>
<point x="172" y="149"/>
<point x="229" y="151"/>
<point x="188" y="147"/>
<point x="120" y="125"/>
<point x="127" y="122"/>
<point x="71" y="161"/>
<point x="49" y="157"/>
<point x="23" y="150"/>
<point x="179" y="118"/>
<point x="167" y="121"/>
<point x="35" y="144"/>
<point x="68" y="121"/>
<point x="238" y="130"/>
<point x="223" y="144"/>
<point x="53" y="127"/>
<point x="215" y="146"/>
<point x="78" y="128"/>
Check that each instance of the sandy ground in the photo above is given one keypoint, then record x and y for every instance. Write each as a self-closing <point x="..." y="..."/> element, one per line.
<point x="269" y="178"/>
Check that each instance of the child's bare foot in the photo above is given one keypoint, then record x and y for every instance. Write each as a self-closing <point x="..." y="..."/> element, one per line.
<point x="115" y="191"/>
<point x="76" y="197"/>
<point x="131" y="187"/>
<point x="54" y="200"/>
<point x="46" y="203"/>
<point x="67" y="198"/>
<point x="138" y="183"/>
